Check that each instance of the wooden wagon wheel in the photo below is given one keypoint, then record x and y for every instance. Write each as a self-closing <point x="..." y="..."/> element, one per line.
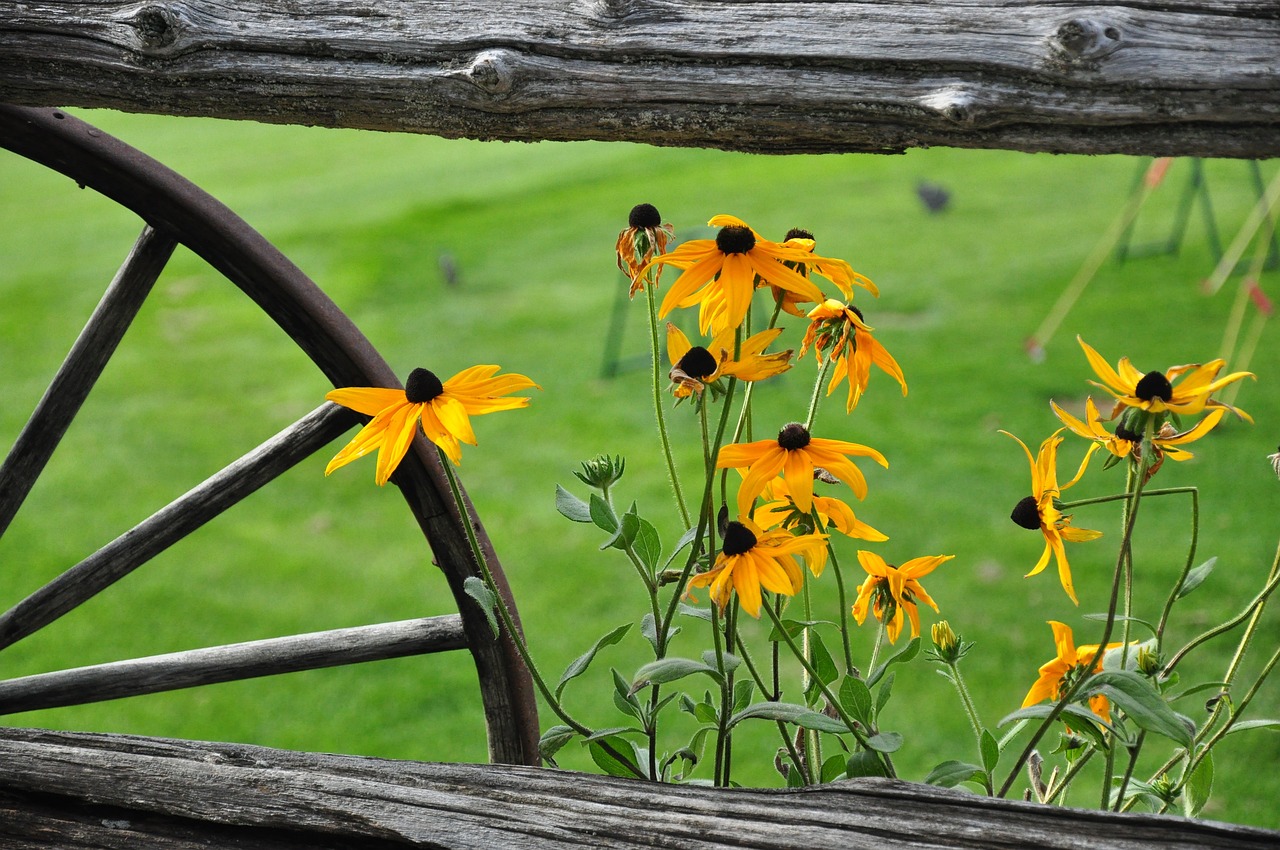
<point x="177" y="212"/>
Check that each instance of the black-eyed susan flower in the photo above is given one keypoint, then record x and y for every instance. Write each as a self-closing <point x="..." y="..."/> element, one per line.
<point x="779" y="509"/>
<point x="1184" y="390"/>
<point x="795" y="454"/>
<point x="1124" y="443"/>
<point x="1039" y="511"/>
<point x="838" y="272"/>
<point x="442" y="409"/>
<point x="644" y="237"/>
<point x="890" y="591"/>
<point x="1071" y="661"/>
<point x="752" y="558"/>
<point x="837" y="331"/>
<point x="720" y="274"/>
<point x="694" y="367"/>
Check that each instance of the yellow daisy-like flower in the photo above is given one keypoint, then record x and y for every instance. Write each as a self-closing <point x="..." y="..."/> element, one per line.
<point x="720" y="274"/>
<point x="644" y="237"/>
<point x="838" y="331"/>
<point x="753" y="558"/>
<point x="839" y="272"/>
<point x="1038" y="511"/>
<point x="795" y="453"/>
<point x="443" y="409"/>
<point x="889" y="591"/>
<point x="1070" y="661"/>
<point x="1124" y="443"/>
<point x="694" y="367"/>
<point x="1156" y="392"/>
<point x="779" y="509"/>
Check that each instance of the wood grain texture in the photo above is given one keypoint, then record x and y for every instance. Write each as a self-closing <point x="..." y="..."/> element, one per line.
<point x="233" y="662"/>
<point x="324" y="800"/>
<point x="1169" y="78"/>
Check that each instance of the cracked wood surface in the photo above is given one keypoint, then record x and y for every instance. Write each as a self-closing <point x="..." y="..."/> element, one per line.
<point x="1156" y="78"/>
<point x="74" y="790"/>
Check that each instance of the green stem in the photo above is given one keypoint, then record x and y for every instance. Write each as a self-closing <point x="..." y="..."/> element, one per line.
<point x="508" y="622"/>
<point x="649" y="293"/>
<point x="1057" y="790"/>
<point x="817" y="394"/>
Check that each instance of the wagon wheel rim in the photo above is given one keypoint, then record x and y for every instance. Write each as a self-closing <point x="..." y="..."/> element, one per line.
<point x="176" y="211"/>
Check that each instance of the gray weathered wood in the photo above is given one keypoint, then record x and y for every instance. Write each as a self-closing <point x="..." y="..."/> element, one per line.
<point x="176" y="520"/>
<point x="81" y="370"/>
<point x="233" y="662"/>
<point x="1172" y="78"/>
<point x="324" y="800"/>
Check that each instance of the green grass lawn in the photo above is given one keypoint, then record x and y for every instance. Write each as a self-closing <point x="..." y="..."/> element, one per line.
<point x="202" y="377"/>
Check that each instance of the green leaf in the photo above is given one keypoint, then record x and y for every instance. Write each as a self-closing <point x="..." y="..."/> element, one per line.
<point x="821" y="723"/>
<point x="885" y="742"/>
<point x="1196" y="577"/>
<point x="834" y="768"/>
<point x="1200" y="688"/>
<point x="647" y="544"/>
<point x="855" y="698"/>
<point x="552" y="740"/>
<point x="583" y="661"/>
<point x="602" y="515"/>
<point x="743" y="689"/>
<point x="690" y="611"/>
<point x="1246" y="725"/>
<point x="949" y="774"/>
<point x="908" y="652"/>
<point x="1089" y="726"/>
<point x="1141" y="703"/>
<point x="795" y="627"/>
<point x="882" y="695"/>
<point x="823" y="664"/>
<point x="669" y="670"/>
<point x="990" y="748"/>
<point x="1199" y="786"/>
<point x="789" y="713"/>
<point x="571" y="506"/>
<point x="618" y="760"/>
<point x="731" y="661"/>
<point x="628" y="528"/>
<point x="865" y="763"/>
<point x="475" y="587"/>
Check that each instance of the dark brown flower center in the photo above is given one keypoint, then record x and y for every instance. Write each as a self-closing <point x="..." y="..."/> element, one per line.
<point x="797" y="233"/>
<point x="1027" y="514"/>
<point x="858" y="313"/>
<point x="735" y="239"/>
<point x="697" y="363"/>
<point x="422" y="386"/>
<point x="793" y="436"/>
<point x="644" y="216"/>
<point x="738" y="539"/>
<point x="1154" y="385"/>
<point x="1125" y="434"/>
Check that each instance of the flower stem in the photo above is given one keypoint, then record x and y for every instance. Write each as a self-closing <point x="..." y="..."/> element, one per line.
<point x="649" y="294"/>
<point x="817" y="394"/>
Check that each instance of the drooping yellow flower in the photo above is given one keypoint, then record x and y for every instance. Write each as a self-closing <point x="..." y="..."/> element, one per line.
<point x="838" y="331"/>
<point x="752" y="558"/>
<point x="1038" y="511"/>
<point x="795" y="453"/>
<point x="719" y="274"/>
<point x="1156" y="392"/>
<point x="443" y="409"/>
<point x="1124" y="443"/>
<point x="644" y="237"/>
<point x="1070" y="661"/>
<point x="838" y="272"/>
<point x="694" y="367"/>
<point x="889" y="591"/>
<point x="779" y="509"/>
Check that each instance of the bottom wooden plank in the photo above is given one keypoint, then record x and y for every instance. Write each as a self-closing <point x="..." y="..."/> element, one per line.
<point x="74" y="790"/>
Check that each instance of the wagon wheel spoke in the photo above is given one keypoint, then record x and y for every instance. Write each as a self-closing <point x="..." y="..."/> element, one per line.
<point x="232" y="662"/>
<point x="176" y="520"/>
<point x="81" y="370"/>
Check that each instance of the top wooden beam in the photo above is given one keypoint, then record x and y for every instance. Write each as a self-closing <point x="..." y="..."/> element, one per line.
<point x="1155" y="77"/>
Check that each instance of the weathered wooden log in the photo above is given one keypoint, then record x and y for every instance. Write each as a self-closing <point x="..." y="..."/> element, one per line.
<point x="1183" y="77"/>
<point x="78" y="790"/>
<point x="232" y="662"/>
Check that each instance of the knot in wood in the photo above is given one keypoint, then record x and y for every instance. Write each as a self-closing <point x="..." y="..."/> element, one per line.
<point x="954" y="104"/>
<point x="157" y="26"/>
<point x="491" y="71"/>
<point x="1085" y="39"/>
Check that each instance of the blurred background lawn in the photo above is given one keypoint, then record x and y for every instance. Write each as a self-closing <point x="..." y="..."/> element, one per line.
<point x="451" y="253"/>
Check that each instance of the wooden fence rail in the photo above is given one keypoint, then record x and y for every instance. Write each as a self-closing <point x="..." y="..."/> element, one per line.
<point x="109" y="791"/>
<point x="1181" y="77"/>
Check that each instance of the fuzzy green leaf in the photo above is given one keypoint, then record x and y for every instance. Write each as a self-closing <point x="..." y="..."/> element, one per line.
<point x="571" y="507"/>
<point x="583" y="661"/>
<point x="1141" y="703"/>
<point x="475" y="587"/>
